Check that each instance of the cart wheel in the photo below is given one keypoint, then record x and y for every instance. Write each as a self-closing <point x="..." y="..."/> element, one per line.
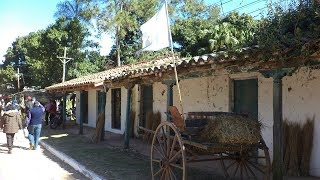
<point x="167" y="153"/>
<point x="248" y="164"/>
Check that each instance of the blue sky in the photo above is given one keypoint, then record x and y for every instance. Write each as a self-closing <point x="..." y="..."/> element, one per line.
<point x="20" y="17"/>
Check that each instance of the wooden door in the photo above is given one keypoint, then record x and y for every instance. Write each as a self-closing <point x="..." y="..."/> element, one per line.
<point x="116" y="108"/>
<point x="85" y="103"/>
<point x="246" y="97"/>
<point x="146" y="103"/>
<point x="101" y="101"/>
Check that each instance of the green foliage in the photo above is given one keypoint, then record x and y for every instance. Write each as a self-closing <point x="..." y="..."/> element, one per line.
<point x="291" y="32"/>
<point x="7" y="78"/>
<point x="192" y="24"/>
<point x="91" y="64"/>
<point x="123" y="19"/>
<point x="128" y="15"/>
<point x="82" y="10"/>
<point x="37" y="53"/>
<point x="232" y="32"/>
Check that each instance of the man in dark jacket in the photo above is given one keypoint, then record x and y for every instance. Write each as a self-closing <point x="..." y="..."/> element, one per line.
<point x="34" y="123"/>
<point x="11" y="123"/>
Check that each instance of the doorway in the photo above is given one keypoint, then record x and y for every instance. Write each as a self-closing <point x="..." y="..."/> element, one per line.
<point x="85" y="103"/>
<point x="116" y="108"/>
<point x="246" y="97"/>
<point x="146" y="103"/>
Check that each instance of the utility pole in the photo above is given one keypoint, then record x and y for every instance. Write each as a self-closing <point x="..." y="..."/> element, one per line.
<point x="18" y="79"/>
<point x="64" y="61"/>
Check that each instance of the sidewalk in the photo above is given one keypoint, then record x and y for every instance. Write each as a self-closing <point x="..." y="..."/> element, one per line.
<point x="108" y="159"/>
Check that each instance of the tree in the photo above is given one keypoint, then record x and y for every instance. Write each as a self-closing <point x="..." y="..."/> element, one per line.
<point x="82" y="10"/>
<point x="291" y="32"/>
<point x="40" y="50"/>
<point x="123" y="19"/>
<point x="7" y="79"/>
<point x="232" y="32"/>
<point x="192" y="21"/>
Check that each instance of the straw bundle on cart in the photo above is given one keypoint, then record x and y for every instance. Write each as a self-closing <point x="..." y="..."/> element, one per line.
<point x="232" y="129"/>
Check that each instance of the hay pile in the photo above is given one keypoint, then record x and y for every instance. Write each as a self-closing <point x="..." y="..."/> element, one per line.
<point x="298" y="140"/>
<point x="232" y="129"/>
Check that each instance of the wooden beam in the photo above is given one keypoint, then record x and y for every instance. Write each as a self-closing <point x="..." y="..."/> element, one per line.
<point x="128" y="119"/>
<point x="81" y="112"/>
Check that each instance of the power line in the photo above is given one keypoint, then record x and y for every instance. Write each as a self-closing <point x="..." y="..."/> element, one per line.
<point x="257" y="10"/>
<point x="222" y="3"/>
<point x="219" y="2"/>
<point x="246" y="5"/>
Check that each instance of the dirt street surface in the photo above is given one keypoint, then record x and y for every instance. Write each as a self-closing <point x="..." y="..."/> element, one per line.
<point x="32" y="164"/>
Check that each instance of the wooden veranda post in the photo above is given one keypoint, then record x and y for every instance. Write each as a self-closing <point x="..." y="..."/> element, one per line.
<point x="64" y="107"/>
<point x="277" y="75"/>
<point x="81" y="112"/>
<point x="128" y="114"/>
<point x="103" y="108"/>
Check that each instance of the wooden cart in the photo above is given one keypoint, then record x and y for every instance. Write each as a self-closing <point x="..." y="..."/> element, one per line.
<point x="175" y="144"/>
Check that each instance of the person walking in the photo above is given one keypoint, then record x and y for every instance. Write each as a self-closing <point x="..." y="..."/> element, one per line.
<point x="34" y="124"/>
<point x="50" y="109"/>
<point x="11" y="123"/>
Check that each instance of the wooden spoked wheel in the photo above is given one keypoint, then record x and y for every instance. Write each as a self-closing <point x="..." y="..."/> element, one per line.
<point x="250" y="163"/>
<point x="168" y="159"/>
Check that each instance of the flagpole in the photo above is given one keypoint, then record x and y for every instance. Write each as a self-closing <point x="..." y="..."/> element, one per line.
<point x="174" y="62"/>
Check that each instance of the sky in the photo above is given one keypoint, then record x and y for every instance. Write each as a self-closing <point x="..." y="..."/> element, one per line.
<point x="20" y="17"/>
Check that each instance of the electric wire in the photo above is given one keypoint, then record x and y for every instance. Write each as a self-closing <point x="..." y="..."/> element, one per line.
<point x="244" y="6"/>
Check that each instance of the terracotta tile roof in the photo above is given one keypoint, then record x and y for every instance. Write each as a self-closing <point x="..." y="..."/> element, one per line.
<point x="91" y="79"/>
<point x="142" y="68"/>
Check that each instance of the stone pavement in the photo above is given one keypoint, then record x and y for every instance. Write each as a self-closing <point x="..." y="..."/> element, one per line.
<point x="32" y="164"/>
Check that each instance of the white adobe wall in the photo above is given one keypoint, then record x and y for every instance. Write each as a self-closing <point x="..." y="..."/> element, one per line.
<point x="203" y="94"/>
<point x="213" y="94"/>
<point x="92" y="108"/>
<point x="160" y="98"/>
<point x="301" y="99"/>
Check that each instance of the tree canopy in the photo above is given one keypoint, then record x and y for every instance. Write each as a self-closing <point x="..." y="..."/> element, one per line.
<point x="197" y="28"/>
